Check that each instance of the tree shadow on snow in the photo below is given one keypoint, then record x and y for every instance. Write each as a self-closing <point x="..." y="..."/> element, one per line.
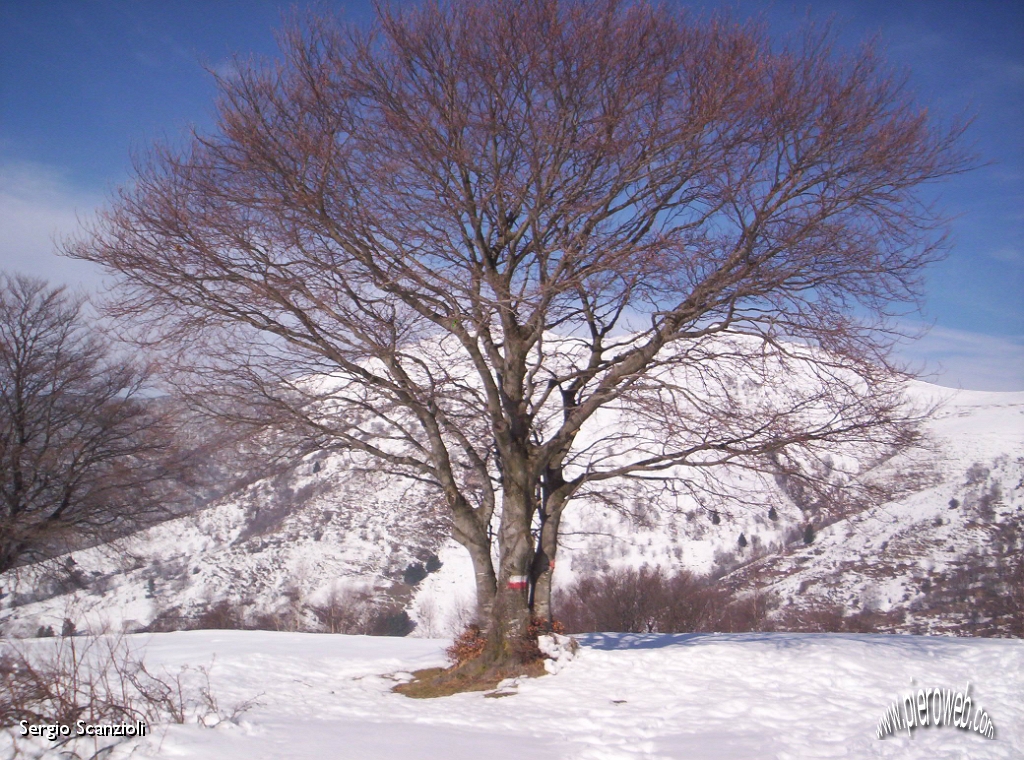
<point x="776" y="640"/>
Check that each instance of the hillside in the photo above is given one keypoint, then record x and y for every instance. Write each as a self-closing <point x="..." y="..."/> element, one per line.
<point x="945" y="559"/>
<point x="329" y="546"/>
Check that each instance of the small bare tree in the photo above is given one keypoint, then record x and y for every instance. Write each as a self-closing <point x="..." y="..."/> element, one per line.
<point x="83" y="456"/>
<point x="523" y="251"/>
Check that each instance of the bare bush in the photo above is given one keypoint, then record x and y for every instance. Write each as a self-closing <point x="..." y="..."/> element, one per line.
<point x="100" y="679"/>
<point x="392" y="621"/>
<point x="984" y="589"/>
<point x="749" y="611"/>
<point x="824" y="618"/>
<point x="828" y="617"/>
<point x="645" y="600"/>
<point x="223" y="614"/>
<point x="342" y="611"/>
<point x="650" y="600"/>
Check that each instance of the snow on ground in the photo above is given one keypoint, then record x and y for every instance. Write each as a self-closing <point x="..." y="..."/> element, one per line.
<point x="626" y="697"/>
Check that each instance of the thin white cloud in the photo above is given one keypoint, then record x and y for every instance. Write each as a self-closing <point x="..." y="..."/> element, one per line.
<point x="1008" y="255"/>
<point x="226" y="69"/>
<point x="970" y="360"/>
<point x="38" y="206"/>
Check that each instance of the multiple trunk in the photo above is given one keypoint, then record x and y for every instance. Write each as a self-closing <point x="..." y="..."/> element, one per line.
<point x="491" y="177"/>
<point x="517" y="591"/>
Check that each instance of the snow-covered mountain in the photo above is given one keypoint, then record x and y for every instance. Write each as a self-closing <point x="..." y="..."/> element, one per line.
<point x="944" y="559"/>
<point x="309" y="548"/>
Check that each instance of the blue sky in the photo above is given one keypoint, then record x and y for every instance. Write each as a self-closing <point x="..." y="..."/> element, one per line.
<point x="84" y="83"/>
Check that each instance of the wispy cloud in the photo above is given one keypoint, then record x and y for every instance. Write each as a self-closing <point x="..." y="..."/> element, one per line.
<point x="910" y="41"/>
<point x="964" y="359"/>
<point x="226" y="69"/>
<point x="1008" y="255"/>
<point x="38" y="205"/>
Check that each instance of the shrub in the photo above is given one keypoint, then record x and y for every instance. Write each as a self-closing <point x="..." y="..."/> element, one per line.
<point x="169" y="619"/>
<point x="224" y="614"/>
<point x="822" y="618"/>
<point x="641" y="600"/>
<point x="976" y="473"/>
<point x="414" y="573"/>
<point x="99" y="679"/>
<point x="354" y="612"/>
<point x="832" y="618"/>
<point x="344" y="611"/>
<point x="467" y="646"/>
<point x="391" y="621"/>
<point x="747" y="612"/>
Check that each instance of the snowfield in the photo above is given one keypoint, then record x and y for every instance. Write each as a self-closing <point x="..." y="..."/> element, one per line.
<point x="626" y="696"/>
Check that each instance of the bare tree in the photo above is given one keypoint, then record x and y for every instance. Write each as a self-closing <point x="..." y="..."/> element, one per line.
<point x="82" y="455"/>
<point x="523" y="251"/>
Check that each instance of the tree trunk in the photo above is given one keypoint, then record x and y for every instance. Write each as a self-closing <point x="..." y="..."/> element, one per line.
<point x="544" y="568"/>
<point x="486" y="584"/>
<point x="510" y="615"/>
<point x="554" y="494"/>
<point x="475" y="538"/>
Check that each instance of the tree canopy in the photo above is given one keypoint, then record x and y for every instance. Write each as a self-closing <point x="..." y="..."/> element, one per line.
<point x="83" y="456"/>
<point x="465" y="241"/>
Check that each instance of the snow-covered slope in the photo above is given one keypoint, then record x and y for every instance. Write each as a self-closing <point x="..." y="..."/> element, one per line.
<point x="291" y="548"/>
<point x="935" y="561"/>
<point x="318" y="535"/>
<point x="625" y="697"/>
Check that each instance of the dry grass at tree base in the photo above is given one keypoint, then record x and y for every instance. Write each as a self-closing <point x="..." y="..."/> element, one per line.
<point x="471" y="671"/>
<point x="444" y="682"/>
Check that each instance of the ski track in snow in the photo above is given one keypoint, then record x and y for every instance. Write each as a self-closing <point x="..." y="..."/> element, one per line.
<point x="626" y="697"/>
